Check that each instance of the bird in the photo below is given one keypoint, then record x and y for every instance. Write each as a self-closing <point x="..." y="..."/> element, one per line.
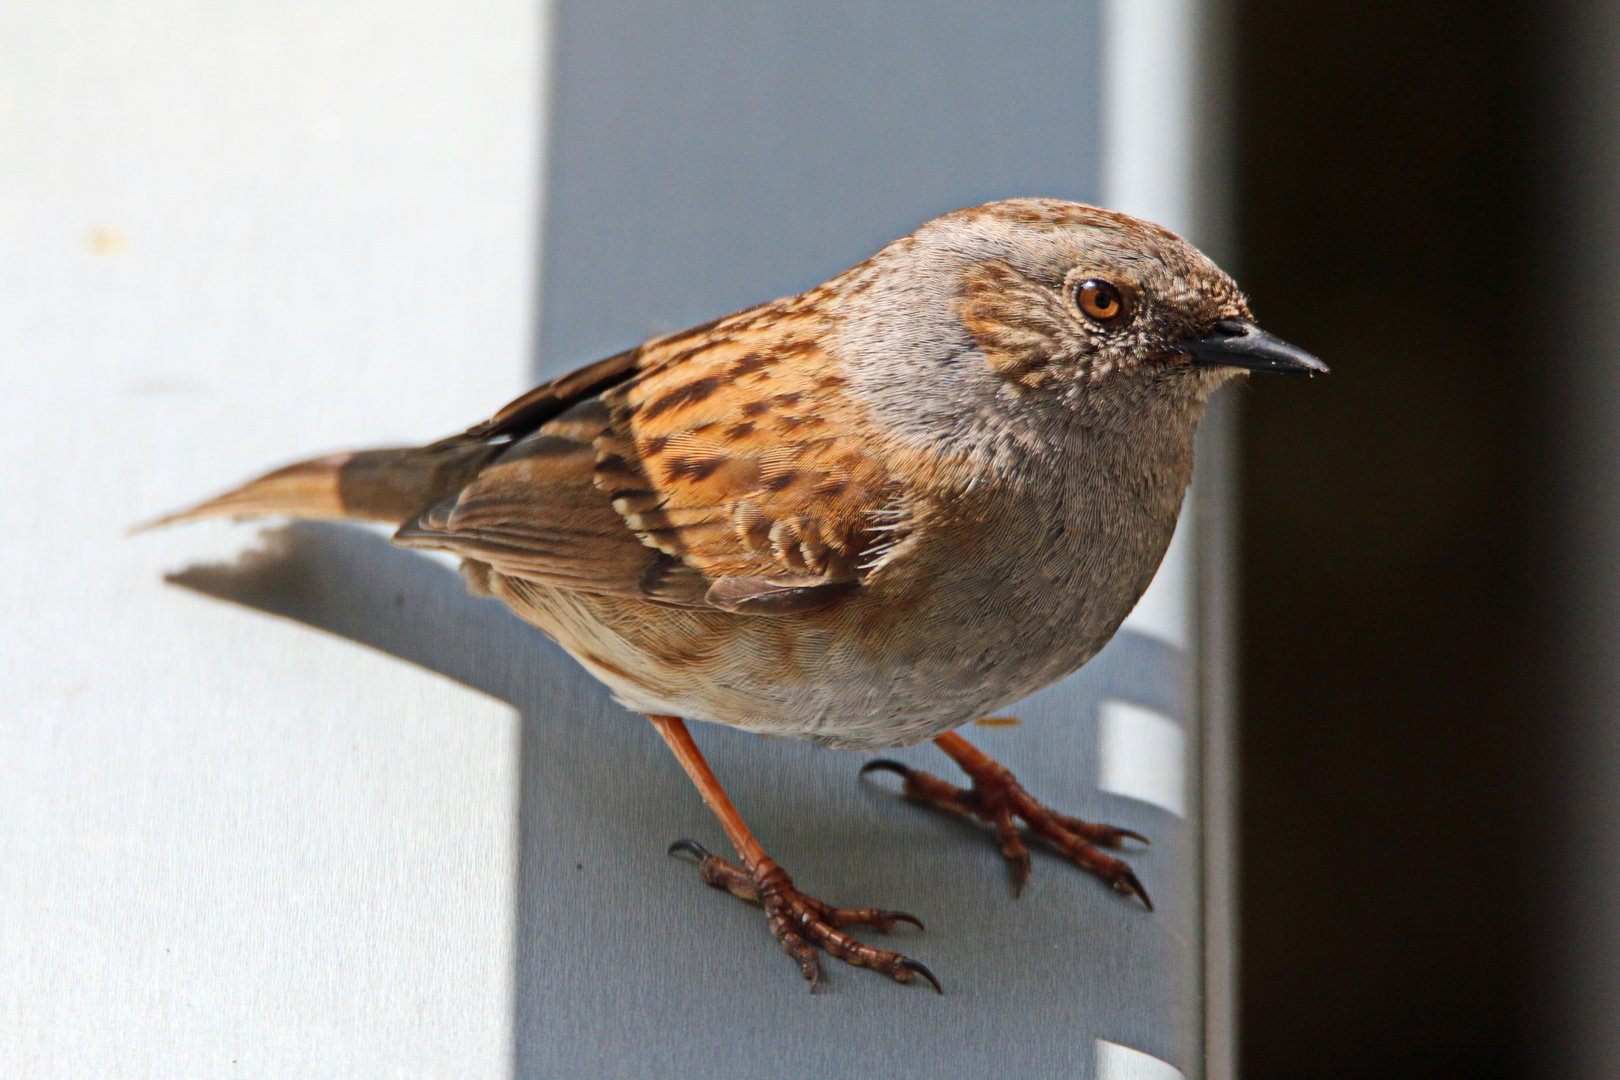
<point x="864" y="515"/>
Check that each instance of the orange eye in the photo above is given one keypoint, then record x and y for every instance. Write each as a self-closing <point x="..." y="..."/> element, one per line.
<point x="1102" y="301"/>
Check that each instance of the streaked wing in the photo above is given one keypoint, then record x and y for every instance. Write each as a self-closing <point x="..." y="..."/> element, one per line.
<point x="722" y="465"/>
<point x="536" y="513"/>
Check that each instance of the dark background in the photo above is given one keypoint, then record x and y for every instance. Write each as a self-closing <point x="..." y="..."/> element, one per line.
<point x="1392" y="776"/>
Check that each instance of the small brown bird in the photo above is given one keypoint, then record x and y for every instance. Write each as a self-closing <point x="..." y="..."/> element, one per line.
<point x="865" y="515"/>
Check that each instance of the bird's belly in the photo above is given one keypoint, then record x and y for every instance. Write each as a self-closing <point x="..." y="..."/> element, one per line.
<point x="873" y="671"/>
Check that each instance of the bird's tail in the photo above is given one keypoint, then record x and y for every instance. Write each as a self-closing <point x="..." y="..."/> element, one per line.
<point x="391" y="486"/>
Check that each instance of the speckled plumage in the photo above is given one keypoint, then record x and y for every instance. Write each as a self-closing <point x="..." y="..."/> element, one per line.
<point x="866" y="514"/>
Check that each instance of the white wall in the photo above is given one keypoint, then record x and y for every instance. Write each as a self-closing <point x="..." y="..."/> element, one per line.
<point x="233" y="234"/>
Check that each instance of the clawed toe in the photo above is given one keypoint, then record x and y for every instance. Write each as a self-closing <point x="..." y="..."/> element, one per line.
<point x="1127" y="883"/>
<point x="1108" y="836"/>
<point x="997" y="799"/>
<point x="802" y="924"/>
<point x="912" y="965"/>
<point x="887" y="765"/>
<point x="691" y="846"/>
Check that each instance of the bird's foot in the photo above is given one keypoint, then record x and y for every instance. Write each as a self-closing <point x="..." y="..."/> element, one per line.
<point x="802" y="924"/>
<point x="997" y="798"/>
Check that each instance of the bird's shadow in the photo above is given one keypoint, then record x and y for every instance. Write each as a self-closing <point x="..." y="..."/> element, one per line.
<point x="352" y="582"/>
<point x="606" y="926"/>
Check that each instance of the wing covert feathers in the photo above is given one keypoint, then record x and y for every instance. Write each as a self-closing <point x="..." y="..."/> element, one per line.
<point x="724" y="466"/>
<point x="721" y="466"/>
<point x="741" y="454"/>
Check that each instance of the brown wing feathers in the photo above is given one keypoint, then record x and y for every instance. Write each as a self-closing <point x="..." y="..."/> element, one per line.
<point x="720" y="460"/>
<point x="536" y="513"/>
<point x="528" y="412"/>
<point x="693" y="470"/>
<point x="398" y="484"/>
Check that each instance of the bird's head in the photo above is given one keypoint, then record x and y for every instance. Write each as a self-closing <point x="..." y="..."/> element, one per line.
<point x="1038" y="313"/>
<point x="1070" y="295"/>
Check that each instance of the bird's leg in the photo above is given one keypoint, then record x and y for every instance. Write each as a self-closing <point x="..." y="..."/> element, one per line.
<point x="998" y="798"/>
<point x="801" y="923"/>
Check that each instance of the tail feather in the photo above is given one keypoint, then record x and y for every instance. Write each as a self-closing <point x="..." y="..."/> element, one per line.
<point x="391" y="486"/>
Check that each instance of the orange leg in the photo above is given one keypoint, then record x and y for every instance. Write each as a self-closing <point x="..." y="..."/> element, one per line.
<point x="999" y="799"/>
<point x="801" y="923"/>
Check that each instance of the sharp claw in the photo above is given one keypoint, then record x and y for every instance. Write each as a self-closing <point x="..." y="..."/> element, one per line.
<point x="1021" y="869"/>
<point x="901" y="916"/>
<point x="691" y="846"/>
<point x="914" y="966"/>
<point x="1128" y="883"/>
<point x="1116" y="837"/>
<point x="886" y="765"/>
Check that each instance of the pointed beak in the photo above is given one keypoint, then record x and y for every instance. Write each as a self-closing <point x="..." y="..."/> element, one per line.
<point x="1241" y="344"/>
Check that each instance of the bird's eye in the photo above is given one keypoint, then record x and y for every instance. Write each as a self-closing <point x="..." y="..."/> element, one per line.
<point x="1102" y="301"/>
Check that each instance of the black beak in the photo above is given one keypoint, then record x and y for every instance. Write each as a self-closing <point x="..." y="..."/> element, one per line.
<point x="1241" y="344"/>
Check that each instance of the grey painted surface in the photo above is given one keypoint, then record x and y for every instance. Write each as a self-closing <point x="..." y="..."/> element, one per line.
<point x="705" y="156"/>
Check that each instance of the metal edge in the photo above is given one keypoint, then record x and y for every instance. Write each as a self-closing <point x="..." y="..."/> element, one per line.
<point x="1215" y="569"/>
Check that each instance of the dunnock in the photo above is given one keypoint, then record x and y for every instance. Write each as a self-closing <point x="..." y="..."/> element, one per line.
<point x="864" y="515"/>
